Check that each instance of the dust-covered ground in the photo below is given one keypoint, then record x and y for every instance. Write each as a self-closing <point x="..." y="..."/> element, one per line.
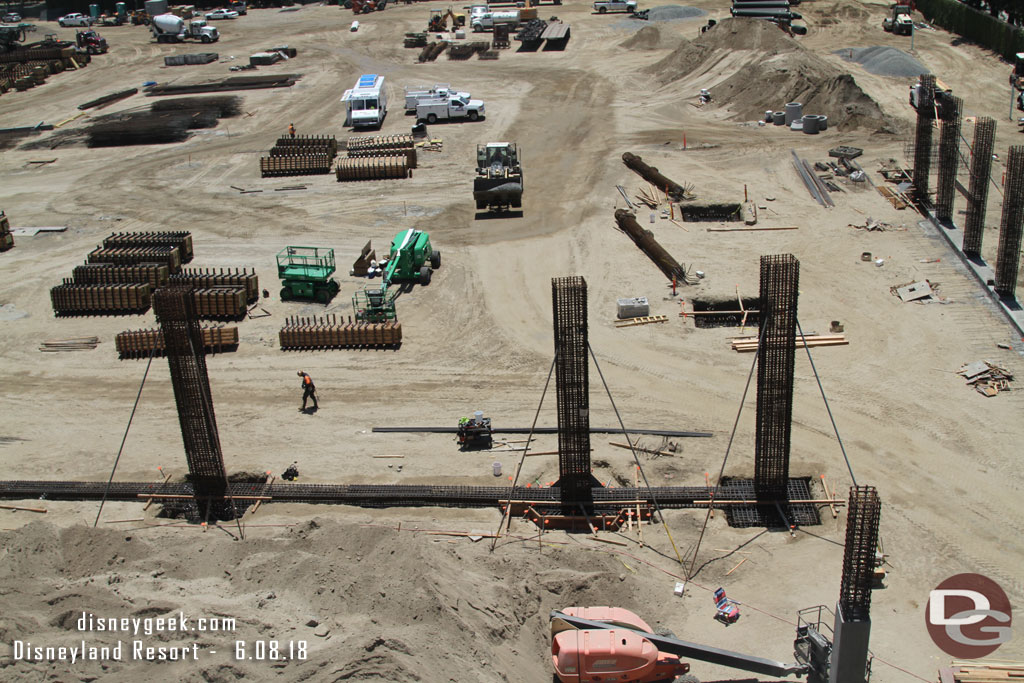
<point x="355" y="594"/>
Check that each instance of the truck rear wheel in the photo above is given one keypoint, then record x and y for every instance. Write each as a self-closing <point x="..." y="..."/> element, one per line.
<point x="474" y="115"/>
<point x="431" y="118"/>
<point x="435" y="259"/>
<point x="602" y="10"/>
<point x="425" y="275"/>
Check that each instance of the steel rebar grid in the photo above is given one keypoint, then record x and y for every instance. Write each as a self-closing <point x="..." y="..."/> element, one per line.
<point x="923" y="138"/>
<point x="1008" y="255"/>
<point x="183" y="341"/>
<point x="780" y="278"/>
<point x="950" y="108"/>
<point x="862" y="517"/>
<point x="977" y="193"/>
<point x="572" y="388"/>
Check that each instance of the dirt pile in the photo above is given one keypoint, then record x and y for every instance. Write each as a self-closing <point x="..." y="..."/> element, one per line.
<point x="647" y="38"/>
<point x="778" y="70"/>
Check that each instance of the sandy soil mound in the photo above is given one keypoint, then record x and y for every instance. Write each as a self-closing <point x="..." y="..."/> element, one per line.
<point x="842" y="13"/>
<point x="779" y="70"/>
<point x="647" y="38"/>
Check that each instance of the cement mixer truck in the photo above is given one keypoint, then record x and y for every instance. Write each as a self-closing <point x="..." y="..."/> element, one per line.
<point x="170" y="28"/>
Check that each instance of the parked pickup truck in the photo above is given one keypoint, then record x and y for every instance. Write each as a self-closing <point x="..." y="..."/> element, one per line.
<point x="449" y="108"/>
<point x="604" y="6"/>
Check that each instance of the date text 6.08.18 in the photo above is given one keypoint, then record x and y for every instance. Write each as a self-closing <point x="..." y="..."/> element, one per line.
<point x="270" y="650"/>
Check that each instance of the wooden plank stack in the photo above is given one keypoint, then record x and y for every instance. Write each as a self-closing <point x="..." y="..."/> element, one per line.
<point x="72" y="344"/>
<point x="179" y="238"/>
<point x="6" y="238"/>
<point x="978" y="671"/>
<point x="373" y="168"/>
<point x="328" y="333"/>
<point x="135" y="255"/>
<point x="746" y="344"/>
<point x="72" y="299"/>
<point x="208" y="277"/>
<point x="139" y="343"/>
<point x="220" y="302"/>
<point x="156" y="274"/>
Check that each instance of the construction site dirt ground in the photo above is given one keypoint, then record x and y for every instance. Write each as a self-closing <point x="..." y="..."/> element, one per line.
<point x="373" y="593"/>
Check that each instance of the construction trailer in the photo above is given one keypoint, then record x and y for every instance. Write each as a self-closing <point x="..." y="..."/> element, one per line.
<point x="366" y="104"/>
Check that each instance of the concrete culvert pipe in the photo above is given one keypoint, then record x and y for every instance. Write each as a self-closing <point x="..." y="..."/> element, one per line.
<point x="810" y="124"/>
<point x="794" y="112"/>
<point x="779" y="118"/>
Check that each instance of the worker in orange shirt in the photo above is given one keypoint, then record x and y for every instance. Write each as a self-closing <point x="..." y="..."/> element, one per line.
<point x="308" y="391"/>
<point x="291" y="129"/>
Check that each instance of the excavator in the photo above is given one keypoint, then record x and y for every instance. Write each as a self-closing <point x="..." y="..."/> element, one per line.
<point x="438" y="22"/>
<point x="411" y="259"/>
<point x="11" y="36"/>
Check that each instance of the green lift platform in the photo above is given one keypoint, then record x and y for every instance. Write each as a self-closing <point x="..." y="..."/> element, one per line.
<point x="306" y="272"/>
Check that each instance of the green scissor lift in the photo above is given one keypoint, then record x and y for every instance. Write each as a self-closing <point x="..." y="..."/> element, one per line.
<point x="306" y="272"/>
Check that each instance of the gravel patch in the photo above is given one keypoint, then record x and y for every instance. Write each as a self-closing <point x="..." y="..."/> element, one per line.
<point x="884" y="61"/>
<point x="662" y="13"/>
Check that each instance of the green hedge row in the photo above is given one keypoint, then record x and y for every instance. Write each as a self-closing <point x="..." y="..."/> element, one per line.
<point x="973" y="25"/>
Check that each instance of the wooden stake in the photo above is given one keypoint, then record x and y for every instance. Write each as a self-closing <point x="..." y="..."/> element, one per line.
<point x="736" y="567"/>
<point x="672" y="220"/>
<point x="388" y="456"/>
<point x="606" y="540"/>
<point x="149" y="502"/>
<point x="15" y="507"/>
<point x="642" y="450"/>
<point x="707" y="482"/>
<point x="118" y="521"/>
<point x="830" y="495"/>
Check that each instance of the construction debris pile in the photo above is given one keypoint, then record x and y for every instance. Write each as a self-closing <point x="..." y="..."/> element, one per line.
<point x="982" y="672"/>
<point x="923" y="292"/>
<point x="986" y="378"/>
<point x="301" y="155"/>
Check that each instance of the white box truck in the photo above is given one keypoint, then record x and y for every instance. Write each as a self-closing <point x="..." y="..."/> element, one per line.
<point x="442" y="108"/>
<point x="366" y="104"/>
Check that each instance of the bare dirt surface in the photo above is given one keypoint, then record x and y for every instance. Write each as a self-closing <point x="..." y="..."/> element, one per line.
<point x="372" y="594"/>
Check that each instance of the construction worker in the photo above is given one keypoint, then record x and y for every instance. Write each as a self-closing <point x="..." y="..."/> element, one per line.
<point x="308" y="390"/>
<point x="291" y="129"/>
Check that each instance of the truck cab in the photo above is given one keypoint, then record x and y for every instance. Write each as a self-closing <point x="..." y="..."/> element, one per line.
<point x="366" y="103"/>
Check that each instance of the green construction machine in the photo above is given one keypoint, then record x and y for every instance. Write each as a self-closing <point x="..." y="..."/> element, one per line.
<point x="411" y="260"/>
<point x="306" y="272"/>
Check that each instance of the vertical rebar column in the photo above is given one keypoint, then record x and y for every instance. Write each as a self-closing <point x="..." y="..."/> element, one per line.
<point x="1008" y="256"/>
<point x="175" y="309"/>
<point x="572" y="382"/>
<point x="780" y="278"/>
<point x="950" y="108"/>
<point x="862" y="517"/>
<point x="977" y="194"/>
<point x="923" y="139"/>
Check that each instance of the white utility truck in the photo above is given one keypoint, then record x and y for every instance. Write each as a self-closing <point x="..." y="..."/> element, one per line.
<point x="442" y="108"/>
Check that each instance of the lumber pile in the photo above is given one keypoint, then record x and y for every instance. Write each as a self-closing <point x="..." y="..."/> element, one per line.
<point x="209" y="277"/>
<point x="6" y="238"/>
<point x="140" y="343"/>
<point x="156" y="274"/>
<point x="72" y="299"/>
<point x="132" y="256"/>
<point x="165" y="238"/>
<point x="220" y="302"/>
<point x="328" y="333"/>
<point x="373" y="168"/>
<point x="73" y="344"/>
<point x="982" y="672"/>
<point x="987" y="378"/>
<point x="744" y="344"/>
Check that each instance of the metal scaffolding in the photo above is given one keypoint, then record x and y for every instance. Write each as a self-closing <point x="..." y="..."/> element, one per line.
<point x="862" y="516"/>
<point x="977" y="194"/>
<point x="923" y="138"/>
<point x="780" y="278"/>
<point x="572" y="382"/>
<point x="175" y="309"/>
<point x="1008" y="256"/>
<point x="950" y="109"/>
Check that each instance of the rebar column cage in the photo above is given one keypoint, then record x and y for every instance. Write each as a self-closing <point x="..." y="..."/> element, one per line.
<point x="862" y="516"/>
<point x="977" y="193"/>
<point x="1008" y="255"/>
<point x="923" y="138"/>
<point x="950" y="108"/>
<point x="572" y="386"/>
<point x="780" y="278"/>
<point x="175" y="310"/>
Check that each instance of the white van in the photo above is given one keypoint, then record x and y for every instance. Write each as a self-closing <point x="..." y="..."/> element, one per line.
<point x="366" y="104"/>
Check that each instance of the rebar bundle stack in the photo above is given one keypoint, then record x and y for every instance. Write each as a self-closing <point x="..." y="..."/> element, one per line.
<point x="72" y="299"/>
<point x="531" y="31"/>
<point x="674" y="190"/>
<point x="977" y="193"/>
<point x="327" y="333"/>
<point x="135" y="255"/>
<point x="373" y="168"/>
<point x="780" y="278"/>
<point x="142" y="343"/>
<point x="1008" y="254"/>
<point x="156" y="274"/>
<point x="226" y="106"/>
<point x="125" y="240"/>
<point x="208" y="277"/>
<point x="645" y="240"/>
<point x="220" y="302"/>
